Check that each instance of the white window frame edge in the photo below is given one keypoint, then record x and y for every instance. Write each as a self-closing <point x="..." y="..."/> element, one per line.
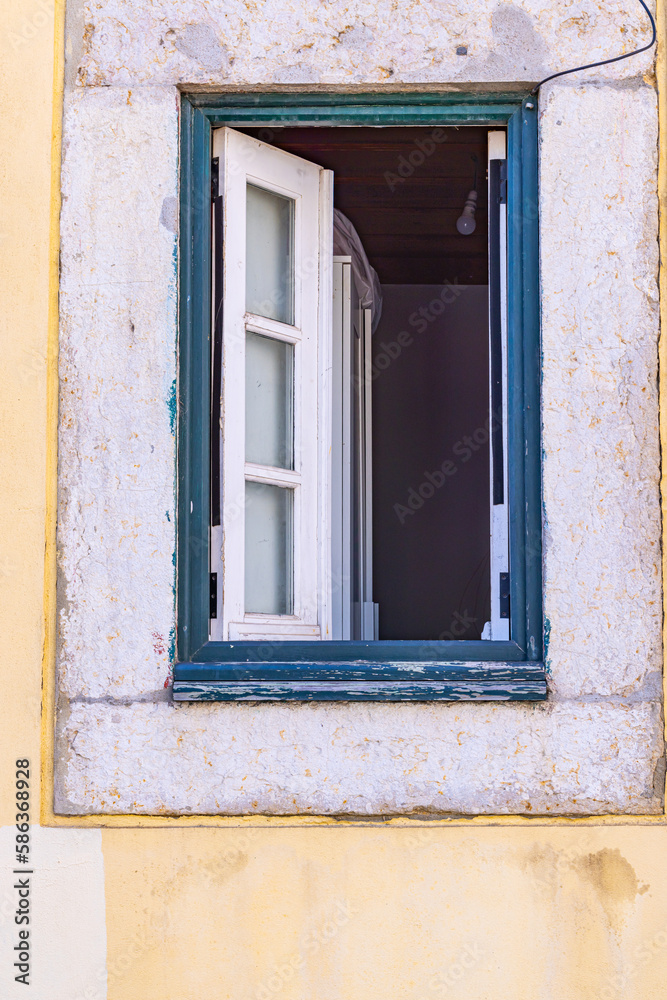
<point x="499" y="628"/>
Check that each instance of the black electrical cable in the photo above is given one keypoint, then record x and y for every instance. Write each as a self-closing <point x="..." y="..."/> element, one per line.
<point x="604" y="62"/>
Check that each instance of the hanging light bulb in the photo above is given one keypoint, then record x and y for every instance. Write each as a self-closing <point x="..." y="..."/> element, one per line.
<point x="466" y="221"/>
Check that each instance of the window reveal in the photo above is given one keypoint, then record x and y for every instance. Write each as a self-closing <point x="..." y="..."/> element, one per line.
<point x="294" y="546"/>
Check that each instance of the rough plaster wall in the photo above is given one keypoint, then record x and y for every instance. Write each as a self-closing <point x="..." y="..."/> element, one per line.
<point x="129" y="42"/>
<point x="599" y="259"/>
<point x="596" y="746"/>
<point x="117" y="402"/>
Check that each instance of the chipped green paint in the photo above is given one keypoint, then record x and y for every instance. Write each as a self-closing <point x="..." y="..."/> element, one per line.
<point x="547" y="637"/>
<point x="171" y="406"/>
<point x="366" y="690"/>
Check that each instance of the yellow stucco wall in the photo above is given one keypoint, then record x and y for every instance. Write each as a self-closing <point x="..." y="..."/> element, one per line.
<point x="504" y="909"/>
<point x="375" y="913"/>
<point x="28" y="315"/>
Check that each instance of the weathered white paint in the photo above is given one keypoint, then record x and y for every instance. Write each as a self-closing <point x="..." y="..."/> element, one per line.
<point x="68" y="956"/>
<point x="122" y="746"/>
<point x="362" y="759"/>
<point x="117" y="403"/>
<point x="228" y="42"/>
<point x="599" y="259"/>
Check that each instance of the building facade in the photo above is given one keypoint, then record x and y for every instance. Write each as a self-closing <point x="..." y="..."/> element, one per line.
<point x="469" y="846"/>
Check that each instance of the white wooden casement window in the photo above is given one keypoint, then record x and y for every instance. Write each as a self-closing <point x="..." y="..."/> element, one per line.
<point x="271" y="549"/>
<point x="354" y="614"/>
<point x="292" y="552"/>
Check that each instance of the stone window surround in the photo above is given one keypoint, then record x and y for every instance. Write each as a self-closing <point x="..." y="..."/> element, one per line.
<point x="597" y="746"/>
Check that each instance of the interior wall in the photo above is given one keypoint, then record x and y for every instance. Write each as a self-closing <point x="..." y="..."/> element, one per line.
<point x="431" y="462"/>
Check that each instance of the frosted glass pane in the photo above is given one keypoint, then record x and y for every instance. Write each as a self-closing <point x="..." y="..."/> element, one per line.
<point x="268" y="549"/>
<point x="269" y="255"/>
<point x="269" y="388"/>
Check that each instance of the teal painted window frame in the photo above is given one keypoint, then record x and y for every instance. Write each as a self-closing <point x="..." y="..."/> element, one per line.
<point x="367" y="671"/>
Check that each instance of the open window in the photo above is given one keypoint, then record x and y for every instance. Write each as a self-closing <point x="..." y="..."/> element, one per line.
<point x="359" y="405"/>
<point x="359" y="413"/>
<point x="269" y="410"/>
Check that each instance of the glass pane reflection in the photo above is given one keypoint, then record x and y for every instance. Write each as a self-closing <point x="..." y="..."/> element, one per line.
<point x="269" y="255"/>
<point x="269" y="391"/>
<point x="268" y="549"/>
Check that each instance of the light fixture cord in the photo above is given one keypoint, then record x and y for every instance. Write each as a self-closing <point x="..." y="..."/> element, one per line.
<point x="604" y="62"/>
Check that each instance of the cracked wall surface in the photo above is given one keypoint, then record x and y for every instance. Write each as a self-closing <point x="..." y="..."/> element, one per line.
<point x="122" y="745"/>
